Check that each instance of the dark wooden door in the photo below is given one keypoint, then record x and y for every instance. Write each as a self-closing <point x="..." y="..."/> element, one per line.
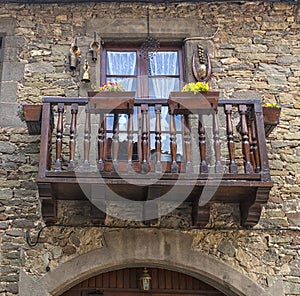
<point x="125" y="282"/>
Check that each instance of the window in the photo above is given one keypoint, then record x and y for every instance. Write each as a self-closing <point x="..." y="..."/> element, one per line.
<point x="151" y="78"/>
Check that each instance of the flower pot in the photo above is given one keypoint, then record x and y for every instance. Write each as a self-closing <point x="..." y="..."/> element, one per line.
<point x="33" y="118"/>
<point x="189" y="102"/>
<point x="271" y="118"/>
<point x="111" y="102"/>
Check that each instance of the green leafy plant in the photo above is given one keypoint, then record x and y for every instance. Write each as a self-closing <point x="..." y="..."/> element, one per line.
<point x="111" y="86"/>
<point x="196" y="87"/>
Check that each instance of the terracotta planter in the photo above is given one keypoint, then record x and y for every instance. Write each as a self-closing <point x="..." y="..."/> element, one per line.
<point x="33" y="118"/>
<point x="271" y="118"/>
<point x="188" y="102"/>
<point x="116" y="102"/>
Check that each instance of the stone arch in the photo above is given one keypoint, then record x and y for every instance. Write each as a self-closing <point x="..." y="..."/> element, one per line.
<point x="133" y="248"/>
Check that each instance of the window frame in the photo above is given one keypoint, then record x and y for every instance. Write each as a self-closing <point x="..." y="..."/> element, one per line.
<point x="142" y="83"/>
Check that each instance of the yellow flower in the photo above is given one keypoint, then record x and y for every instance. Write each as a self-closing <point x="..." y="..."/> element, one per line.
<point x="196" y="87"/>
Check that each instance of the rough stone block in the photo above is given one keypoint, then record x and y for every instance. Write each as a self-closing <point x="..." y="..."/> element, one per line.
<point x="288" y="60"/>
<point x="3" y="225"/>
<point x="228" y="82"/>
<point x="246" y="94"/>
<point x="277" y="79"/>
<point x="23" y="224"/>
<point x="294" y="218"/>
<point x="7" y="147"/>
<point x="15" y="233"/>
<point x="6" y="194"/>
<point x="42" y="67"/>
<point x="226" y="248"/>
<point x="12" y="287"/>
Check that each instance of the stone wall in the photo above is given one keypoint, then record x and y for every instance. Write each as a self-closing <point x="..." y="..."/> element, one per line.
<point x="255" y="52"/>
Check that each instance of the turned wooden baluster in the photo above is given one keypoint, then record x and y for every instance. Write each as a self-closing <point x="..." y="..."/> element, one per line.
<point x="252" y="158"/>
<point x="73" y="125"/>
<point x="245" y="140"/>
<point x="158" y="167"/>
<point x="230" y="143"/>
<point x="59" y="133"/>
<point x="130" y="142"/>
<point x="87" y="139"/>
<point x="49" y="133"/>
<point x="187" y="143"/>
<point x="145" y="142"/>
<point x="101" y="137"/>
<point x="49" y="158"/>
<point x="202" y="146"/>
<point x="173" y="144"/>
<point x="217" y="144"/>
<point x="254" y="144"/>
<point x="115" y="142"/>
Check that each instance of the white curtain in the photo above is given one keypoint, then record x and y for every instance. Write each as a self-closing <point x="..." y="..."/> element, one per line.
<point x="122" y="63"/>
<point x="163" y="63"/>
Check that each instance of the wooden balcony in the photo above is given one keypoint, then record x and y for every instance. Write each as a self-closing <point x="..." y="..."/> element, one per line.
<point x="154" y="150"/>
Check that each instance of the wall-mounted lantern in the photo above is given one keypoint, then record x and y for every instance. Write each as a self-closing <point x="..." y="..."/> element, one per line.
<point x="145" y="280"/>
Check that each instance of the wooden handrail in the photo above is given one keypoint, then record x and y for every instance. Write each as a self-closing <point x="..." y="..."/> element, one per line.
<point x="223" y="148"/>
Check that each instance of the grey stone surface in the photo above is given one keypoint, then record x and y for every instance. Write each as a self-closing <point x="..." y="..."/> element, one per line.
<point x="8" y="115"/>
<point x="7" y="25"/>
<point x="12" y="71"/>
<point x="291" y="288"/>
<point x="8" y="91"/>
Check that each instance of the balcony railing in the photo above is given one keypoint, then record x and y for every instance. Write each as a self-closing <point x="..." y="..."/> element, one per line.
<point x="123" y="146"/>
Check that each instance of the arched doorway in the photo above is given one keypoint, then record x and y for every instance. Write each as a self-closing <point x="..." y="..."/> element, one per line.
<point x="132" y="248"/>
<point x="125" y="282"/>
